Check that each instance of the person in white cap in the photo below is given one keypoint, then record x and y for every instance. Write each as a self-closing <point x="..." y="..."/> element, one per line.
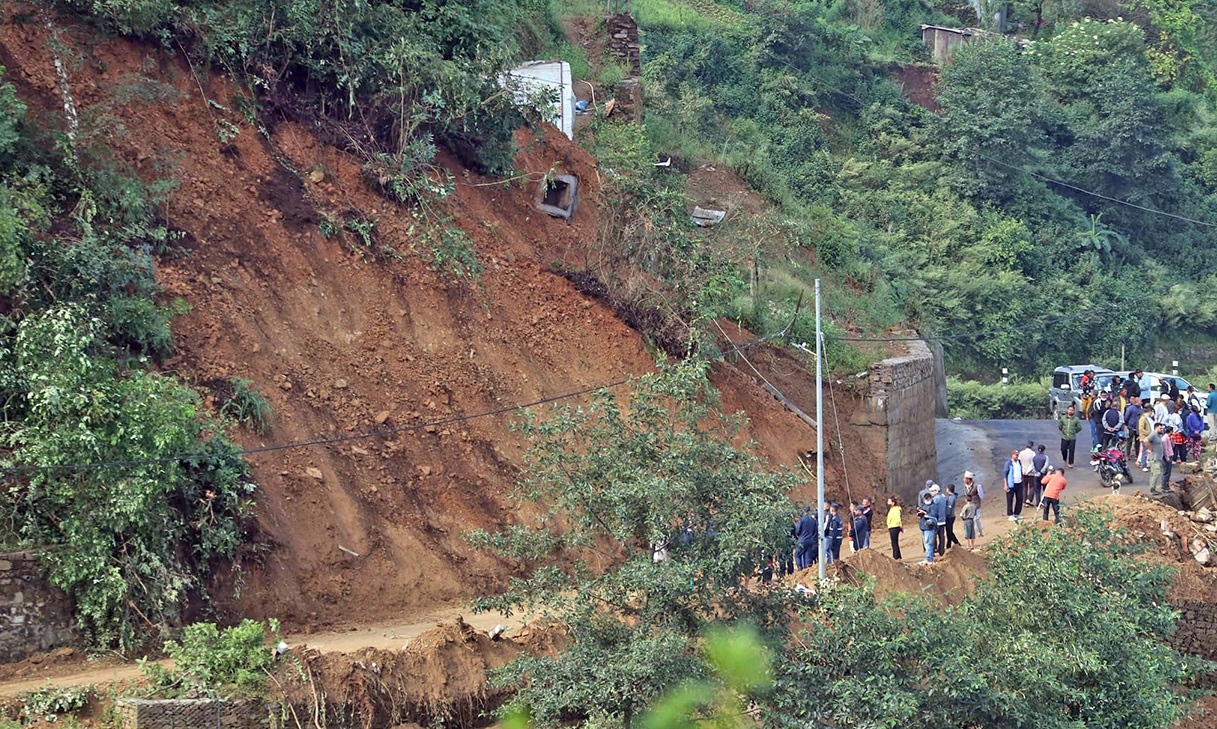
<point x="971" y="487"/>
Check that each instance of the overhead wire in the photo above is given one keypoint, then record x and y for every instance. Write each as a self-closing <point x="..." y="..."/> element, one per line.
<point x="1037" y="324"/>
<point x="1043" y="322"/>
<point x="380" y="433"/>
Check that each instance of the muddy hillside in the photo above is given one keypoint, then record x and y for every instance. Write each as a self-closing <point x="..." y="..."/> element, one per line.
<point x="352" y="331"/>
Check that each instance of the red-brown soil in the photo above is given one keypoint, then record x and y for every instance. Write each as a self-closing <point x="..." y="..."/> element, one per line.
<point x="441" y="677"/>
<point x="342" y="343"/>
<point x="951" y="577"/>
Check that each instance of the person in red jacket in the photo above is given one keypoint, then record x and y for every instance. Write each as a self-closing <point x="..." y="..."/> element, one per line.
<point x="1054" y="484"/>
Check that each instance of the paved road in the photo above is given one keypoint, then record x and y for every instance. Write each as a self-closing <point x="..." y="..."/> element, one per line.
<point x="983" y="446"/>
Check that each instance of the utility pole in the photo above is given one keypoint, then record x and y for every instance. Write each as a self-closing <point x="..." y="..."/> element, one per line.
<point x="820" y="439"/>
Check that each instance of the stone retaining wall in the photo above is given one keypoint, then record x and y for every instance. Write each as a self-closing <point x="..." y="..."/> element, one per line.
<point x="903" y="399"/>
<point x="193" y="714"/>
<point x="623" y="43"/>
<point x="1196" y="631"/>
<point x="34" y="616"/>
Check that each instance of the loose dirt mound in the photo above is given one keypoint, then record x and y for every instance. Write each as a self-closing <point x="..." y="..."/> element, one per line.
<point x="341" y="341"/>
<point x="950" y="578"/>
<point x="1192" y="582"/>
<point x="440" y="678"/>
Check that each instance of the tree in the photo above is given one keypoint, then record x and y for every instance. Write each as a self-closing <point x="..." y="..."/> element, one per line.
<point x="651" y="521"/>
<point x="994" y="111"/>
<point x="1067" y="630"/>
<point x="131" y="540"/>
<point x="1099" y="73"/>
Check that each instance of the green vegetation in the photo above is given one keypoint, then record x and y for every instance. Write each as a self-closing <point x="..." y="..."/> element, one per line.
<point x="50" y="704"/>
<point x="630" y="478"/>
<point x="129" y="542"/>
<point x="234" y="661"/>
<point x="247" y="406"/>
<point x="922" y="213"/>
<point x="1068" y="628"/>
<point x="973" y="400"/>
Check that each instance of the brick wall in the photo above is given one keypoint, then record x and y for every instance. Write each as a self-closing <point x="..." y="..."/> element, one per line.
<point x="902" y="399"/>
<point x="34" y="616"/>
<point x="193" y="714"/>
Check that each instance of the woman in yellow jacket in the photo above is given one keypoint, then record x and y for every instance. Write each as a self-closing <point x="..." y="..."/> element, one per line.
<point x="894" y="525"/>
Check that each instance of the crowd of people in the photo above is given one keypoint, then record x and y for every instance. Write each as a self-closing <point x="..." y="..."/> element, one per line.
<point x="937" y="510"/>
<point x="1155" y="435"/>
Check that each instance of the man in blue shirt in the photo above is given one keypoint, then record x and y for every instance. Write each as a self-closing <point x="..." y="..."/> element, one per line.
<point x="806" y="536"/>
<point x="1210" y="411"/>
<point x="834" y="532"/>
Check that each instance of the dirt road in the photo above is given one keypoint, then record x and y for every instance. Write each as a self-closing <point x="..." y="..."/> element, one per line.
<point x="389" y="635"/>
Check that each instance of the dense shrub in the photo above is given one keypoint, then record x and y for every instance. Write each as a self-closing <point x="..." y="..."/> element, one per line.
<point x="120" y="480"/>
<point x="973" y="400"/>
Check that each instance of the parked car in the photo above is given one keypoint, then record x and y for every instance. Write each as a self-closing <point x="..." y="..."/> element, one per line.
<point x="1066" y="386"/>
<point x="1155" y="386"/>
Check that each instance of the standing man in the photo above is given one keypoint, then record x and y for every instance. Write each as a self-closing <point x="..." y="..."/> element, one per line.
<point x="1145" y="426"/>
<point x="928" y="524"/>
<point x="1070" y="426"/>
<point x="834" y="530"/>
<point x="1094" y="416"/>
<point x="951" y="499"/>
<point x="973" y="488"/>
<point x="1210" y="411"/>
<point x="1040" y="464"/>
<point x="1154" y="445"/>
<point x="938" y="509"/>
<point x="868" y="510"/>
<point x="1113" y="421"/>
<point x="860" y="530"/>
<point x="806" y="538"/>
<point x="1132" y="416"/>
<point x="1147" y="386"/>
<point x="1054" y="484"/>
<point x="1014" y="486"/>
<point x="1026" y="458"/>
<point x="1133" y="384"/>
<point x="1161" y="410"/>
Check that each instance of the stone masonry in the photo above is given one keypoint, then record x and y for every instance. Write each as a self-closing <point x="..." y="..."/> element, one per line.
<point x="902" y="400"/>
<point x="1196" y="631"/>
<point x="623" y="43"/>
<point x="34" y="616"/>
<point x="193" y="714"/>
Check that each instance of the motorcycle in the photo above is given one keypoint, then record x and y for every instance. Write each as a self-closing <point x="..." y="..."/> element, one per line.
<point x="1111" y="466"/>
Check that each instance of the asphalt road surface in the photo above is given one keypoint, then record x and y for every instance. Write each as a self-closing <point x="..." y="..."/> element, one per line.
<point x="983" y="447"/>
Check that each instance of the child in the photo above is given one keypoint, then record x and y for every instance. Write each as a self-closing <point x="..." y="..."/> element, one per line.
<point x="969" y="516"/>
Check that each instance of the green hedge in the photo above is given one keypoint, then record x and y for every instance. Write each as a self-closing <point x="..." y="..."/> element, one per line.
<point x="973" y="400"/>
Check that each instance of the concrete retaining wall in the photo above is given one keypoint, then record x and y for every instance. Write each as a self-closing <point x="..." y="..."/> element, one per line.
<point x="193" y="714"/>
<point x="902" y="399"/>
<point x="34" y="616"/>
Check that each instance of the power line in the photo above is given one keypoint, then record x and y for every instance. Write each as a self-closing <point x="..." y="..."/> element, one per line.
<point x="1100" y="195"/>
<point x="1018" y="168"/>
<point x="383" y="433"/>
<point x="1039" y="324"/>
